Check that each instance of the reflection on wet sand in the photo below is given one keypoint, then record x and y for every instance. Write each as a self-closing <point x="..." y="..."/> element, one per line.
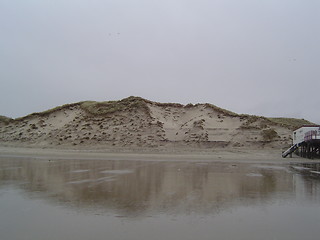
<point x="137" y="200"/>
<point x="307" y="169"/>
<point x="138" y="187"/>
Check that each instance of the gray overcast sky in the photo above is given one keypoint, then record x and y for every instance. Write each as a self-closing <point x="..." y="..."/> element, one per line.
<point x="249" y="56"/>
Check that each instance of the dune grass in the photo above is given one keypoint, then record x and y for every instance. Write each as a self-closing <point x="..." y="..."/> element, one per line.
<point x="47" y="112"/>
<point x="222" y="110"/>
<point x="105" y="108"/>
<point x="5" y="120"/>
<point x="292" y="123"/>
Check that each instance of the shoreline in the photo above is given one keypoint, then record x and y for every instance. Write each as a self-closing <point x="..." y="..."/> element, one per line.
<point x="240" y="155"/>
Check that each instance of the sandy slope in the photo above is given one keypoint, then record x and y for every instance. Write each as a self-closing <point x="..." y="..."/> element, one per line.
<point x="153" y="126"/>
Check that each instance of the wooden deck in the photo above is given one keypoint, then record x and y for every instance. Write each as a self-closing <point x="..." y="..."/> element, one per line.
<point x="309" y="149"/>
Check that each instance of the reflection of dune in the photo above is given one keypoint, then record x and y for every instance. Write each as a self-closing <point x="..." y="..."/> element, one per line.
<point x="137" y="187"/>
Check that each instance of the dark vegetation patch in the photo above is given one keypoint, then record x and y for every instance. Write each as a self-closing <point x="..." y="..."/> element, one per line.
<point x="199" y="123"/>
<point x="5" y="120"/>
<point x="105" y="108"/>
<point x="269" y="134"/>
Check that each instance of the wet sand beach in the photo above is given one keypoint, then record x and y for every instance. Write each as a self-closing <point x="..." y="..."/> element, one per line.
<point x="267" y="155"/>
<point x="64" y="194"/>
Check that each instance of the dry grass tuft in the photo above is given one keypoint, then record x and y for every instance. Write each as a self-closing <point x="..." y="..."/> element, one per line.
<point x="291" y="123"/>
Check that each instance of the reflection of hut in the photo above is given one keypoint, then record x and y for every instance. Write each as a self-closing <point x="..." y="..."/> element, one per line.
<point x="306" y="142"/>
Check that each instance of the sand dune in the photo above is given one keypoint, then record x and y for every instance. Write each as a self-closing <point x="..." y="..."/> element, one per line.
<point x="138" y="123"/>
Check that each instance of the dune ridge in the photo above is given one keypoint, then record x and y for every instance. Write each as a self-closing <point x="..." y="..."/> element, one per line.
<point x="135" y="122"/>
